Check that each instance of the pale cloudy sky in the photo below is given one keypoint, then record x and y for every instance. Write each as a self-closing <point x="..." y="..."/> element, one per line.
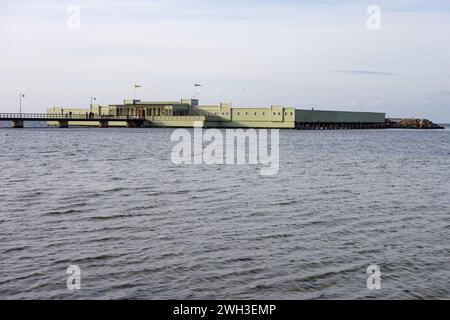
<point x="296" y="53"/>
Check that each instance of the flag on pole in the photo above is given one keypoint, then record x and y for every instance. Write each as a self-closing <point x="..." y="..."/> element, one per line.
<point x="137" y="86"/>
<point x="198" y="85"/>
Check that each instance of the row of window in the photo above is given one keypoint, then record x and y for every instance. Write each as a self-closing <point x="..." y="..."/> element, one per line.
<point x="159" y="112"/>
<point x="151" y="112"/>
<point x="223" y="113"/>
<point x="274" y="113"/>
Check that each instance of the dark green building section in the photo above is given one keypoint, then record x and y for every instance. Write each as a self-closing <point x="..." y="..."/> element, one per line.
<point x="320" y="119"/>
<point x="311" y="116"/>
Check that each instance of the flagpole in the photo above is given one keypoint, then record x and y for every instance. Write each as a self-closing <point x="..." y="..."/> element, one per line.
<point x="135" y="89"/>
<point x="92" y="99"/>
<point x="21" y="95"/>
<point x="197" y="94"/>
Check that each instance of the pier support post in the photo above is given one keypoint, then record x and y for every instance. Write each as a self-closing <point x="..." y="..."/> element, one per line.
<point x="134" y="123"/>
<point x="17" y="124"/>
<point x="131" y="124"/>
<point x="103" y="124"/>
<point x="63" y="124"/>
<point x="147" y="124"/>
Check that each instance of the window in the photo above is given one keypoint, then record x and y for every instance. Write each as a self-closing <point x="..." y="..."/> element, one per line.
<point x="239" y="113"/>
<point x="263" y="113"/>
<point x="246" y="113"/>
<point x="291" y="113"/>
<point x="279" y="113"/>
<point x="274" y="113"/>
<point x="254" y="113"/>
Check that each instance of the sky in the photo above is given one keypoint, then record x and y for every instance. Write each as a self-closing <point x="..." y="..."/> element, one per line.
<point x="301" y="54"/>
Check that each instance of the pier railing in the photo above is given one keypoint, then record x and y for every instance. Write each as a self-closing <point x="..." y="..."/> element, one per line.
<point x="56" y="116"/>
<point x="65" y="116"/>
<point x="63" y="120"/>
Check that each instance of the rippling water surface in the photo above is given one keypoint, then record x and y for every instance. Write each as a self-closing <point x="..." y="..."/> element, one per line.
<point x="112" y="202"/>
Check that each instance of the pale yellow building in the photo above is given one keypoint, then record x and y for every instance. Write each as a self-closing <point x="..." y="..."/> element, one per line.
<point x="184" y="113"/>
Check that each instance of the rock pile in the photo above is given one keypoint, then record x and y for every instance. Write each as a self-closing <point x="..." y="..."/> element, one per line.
<point x="418" y="124"/>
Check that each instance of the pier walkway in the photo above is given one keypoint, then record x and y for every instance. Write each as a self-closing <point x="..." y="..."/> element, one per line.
<point x="18" y="119"/>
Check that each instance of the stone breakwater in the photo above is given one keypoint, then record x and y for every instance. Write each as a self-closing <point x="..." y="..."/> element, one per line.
<point x="414" y="124"/>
